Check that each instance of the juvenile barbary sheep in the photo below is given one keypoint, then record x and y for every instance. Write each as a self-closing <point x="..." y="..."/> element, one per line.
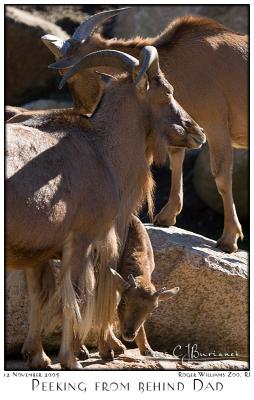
<point x="72" y="183"/>
<point x="208" y="67"/>
<point x="139" y="298"/>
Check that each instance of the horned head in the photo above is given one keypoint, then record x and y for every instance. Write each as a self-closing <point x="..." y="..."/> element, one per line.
<point x="61" y="48"/>
<point x="137" y="303"/>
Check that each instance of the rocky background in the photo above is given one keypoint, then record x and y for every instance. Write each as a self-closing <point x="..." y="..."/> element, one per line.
<point x="29" y="83"/>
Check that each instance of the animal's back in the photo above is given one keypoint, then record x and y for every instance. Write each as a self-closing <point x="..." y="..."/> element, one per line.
<point x="43" y="186"/>
<point x="208" y="67"/>
<point x="137" y="258"/>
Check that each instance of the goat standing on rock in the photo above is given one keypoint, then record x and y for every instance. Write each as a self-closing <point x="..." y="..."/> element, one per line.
<point x="72" y="183"/>
<point x="208" y="67"/>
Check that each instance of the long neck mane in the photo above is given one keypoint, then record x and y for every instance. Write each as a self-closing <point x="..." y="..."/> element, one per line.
<point x="124" y="148"/>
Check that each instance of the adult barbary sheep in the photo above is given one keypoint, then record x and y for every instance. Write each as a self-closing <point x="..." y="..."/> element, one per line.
<point x="208" y="67"/>
<point x="73" y="181"/>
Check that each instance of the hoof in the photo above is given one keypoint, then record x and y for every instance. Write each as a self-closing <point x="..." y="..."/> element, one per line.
<point x="83" y="353"/>
<point x="225" y="246"/>
<point x="69" y="362"/>
<point x="164" y="222"/>
<point x="37" y="361"/>
<point x="109" y="356"/>
<point x="71" y="366"/>
<point x="119" y="350"/>
<point x="148" y="353"/>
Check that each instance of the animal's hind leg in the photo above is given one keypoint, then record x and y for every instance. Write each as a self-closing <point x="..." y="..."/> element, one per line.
<point x="32" y="349"/>
<point x="116" y="345"/>
<point x="221" y="160"/>
<point x="167" y="216"/>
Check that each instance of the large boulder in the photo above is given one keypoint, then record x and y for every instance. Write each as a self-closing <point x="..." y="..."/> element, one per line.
<point x="150" y="20"/>
<point x="211" y="309"/>
<point x="205" y="186"/>
<point x="27" y="58"/>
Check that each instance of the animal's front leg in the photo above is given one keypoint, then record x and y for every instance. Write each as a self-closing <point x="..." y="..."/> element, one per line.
<point x="116" y="345"/>
<point x="75" y="254"/>
<point x="105" y="351"/>
<point x="80" y="350"/>
<point x="167" y="216"/>
<point x="221" y="160"/>
<point x="32" y="349"/>
<point x="142" y="343"/>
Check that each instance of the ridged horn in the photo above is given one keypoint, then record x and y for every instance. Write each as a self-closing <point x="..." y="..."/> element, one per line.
<point x="88" y="27"/>
<point x="66" y="62"/>
<point x="111" y="58"/>
<point x="132" y="281"/>
<point x="149" y="61"/>
<point x="57" y="46"/>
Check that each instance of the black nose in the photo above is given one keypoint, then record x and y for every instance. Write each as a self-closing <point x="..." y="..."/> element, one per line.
<point x="202" y="130"/>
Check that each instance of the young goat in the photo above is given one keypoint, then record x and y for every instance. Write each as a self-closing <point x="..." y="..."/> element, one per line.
<point x="139" y="298"/>
<point x="72" y="183"/>
<point x="195" y="54"/>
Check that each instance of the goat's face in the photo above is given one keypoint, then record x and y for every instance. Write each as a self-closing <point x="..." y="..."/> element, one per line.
<point x="138" y="301"/>
<point x="135" y="306"/>
<point x="168" y="118"/>
<point x="168" y="123"/>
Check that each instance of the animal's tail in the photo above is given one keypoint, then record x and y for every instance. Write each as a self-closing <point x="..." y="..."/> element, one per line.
<point x="106" y="295"/>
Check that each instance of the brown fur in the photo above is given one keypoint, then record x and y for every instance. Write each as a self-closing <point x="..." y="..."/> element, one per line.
<point x="72" y="184"/>
<point x="194" y="53"/>
<point x="136" y="303"/>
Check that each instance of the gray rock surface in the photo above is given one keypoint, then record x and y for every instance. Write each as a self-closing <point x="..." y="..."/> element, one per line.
<point x="151" y="21"/>
<point x="27" y="58"/>
<point x="211" y="309"/>
<point x="206" y="188"/>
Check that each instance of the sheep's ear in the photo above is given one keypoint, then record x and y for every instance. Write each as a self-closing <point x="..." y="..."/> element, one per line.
<point x="164" y="294"/>
<point x="121" y="283"/>
<point x="106" y="78"/>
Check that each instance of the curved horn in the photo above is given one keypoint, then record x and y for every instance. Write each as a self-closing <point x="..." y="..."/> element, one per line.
<point x="121" y="283"/>
<point x="132" y="281"/>
<point x="149" y="61"/>
<point x="57" y="46"/>
<point x="66" y="62"/>
<point x="88" y="27"/>
<point x="171" y="292"/>
<point x="111" y="58"/>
